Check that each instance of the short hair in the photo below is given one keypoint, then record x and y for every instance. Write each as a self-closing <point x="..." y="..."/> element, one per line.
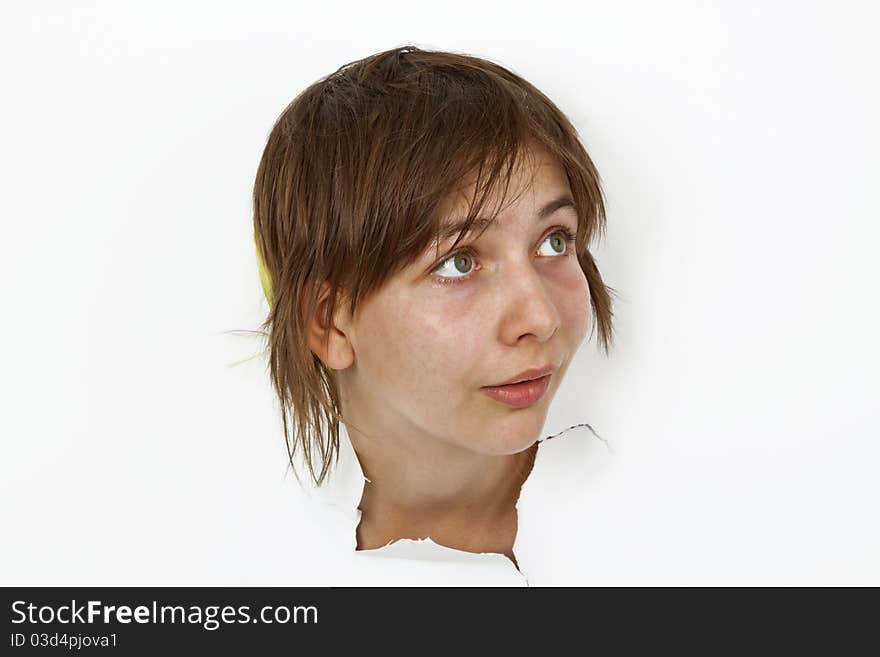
<point x="348" y="192"/>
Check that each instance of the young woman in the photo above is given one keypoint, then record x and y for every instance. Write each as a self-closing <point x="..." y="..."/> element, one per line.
<point x="422" y="222"/>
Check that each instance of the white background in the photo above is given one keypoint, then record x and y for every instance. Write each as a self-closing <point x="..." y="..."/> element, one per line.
<point x="738" y="147"/>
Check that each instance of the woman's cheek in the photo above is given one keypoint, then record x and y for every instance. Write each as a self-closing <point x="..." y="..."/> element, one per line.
<point x="574" y="307"/>
<point x="447" y="335"/>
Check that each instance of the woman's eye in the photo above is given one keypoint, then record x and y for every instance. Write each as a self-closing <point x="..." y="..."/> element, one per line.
<point x="460" y="264"/>
<point x="558" y="243"/>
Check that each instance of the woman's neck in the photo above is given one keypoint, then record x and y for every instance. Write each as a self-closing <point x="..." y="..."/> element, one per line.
<point x="461" y="499"/>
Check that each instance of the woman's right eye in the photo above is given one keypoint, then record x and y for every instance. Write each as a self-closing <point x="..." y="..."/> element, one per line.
<point x="458" y="265"/>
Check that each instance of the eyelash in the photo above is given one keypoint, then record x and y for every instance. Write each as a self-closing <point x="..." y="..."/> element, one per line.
<point x="567" y="235"/>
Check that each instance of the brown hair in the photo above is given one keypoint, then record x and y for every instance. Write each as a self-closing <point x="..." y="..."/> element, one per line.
<point x="348" y="192"/>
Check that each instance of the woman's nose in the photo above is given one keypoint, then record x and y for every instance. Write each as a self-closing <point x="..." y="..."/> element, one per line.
<point x="529" y="306"/>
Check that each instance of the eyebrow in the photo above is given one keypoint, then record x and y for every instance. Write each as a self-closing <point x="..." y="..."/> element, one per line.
<point x="453" y="228"/>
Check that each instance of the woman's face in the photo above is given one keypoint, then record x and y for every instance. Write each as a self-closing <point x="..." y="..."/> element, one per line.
<point x="512" y="299"/>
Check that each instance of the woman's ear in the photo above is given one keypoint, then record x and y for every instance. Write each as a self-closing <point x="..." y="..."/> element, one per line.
<point x="329" y="337"/>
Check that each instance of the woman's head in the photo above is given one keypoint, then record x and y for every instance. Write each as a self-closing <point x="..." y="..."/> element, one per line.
<point x="394" y="295"/>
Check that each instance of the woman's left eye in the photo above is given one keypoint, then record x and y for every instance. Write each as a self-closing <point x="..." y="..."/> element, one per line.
<point x="462" y="262"/>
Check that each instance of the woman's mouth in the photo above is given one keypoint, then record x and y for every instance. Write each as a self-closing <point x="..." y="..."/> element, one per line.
<point x="520" y="395"/>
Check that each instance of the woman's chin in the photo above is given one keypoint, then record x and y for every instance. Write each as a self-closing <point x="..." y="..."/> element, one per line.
<point x="511" y="444"/>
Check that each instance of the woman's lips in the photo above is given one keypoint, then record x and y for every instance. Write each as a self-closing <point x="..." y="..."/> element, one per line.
<point x="520" y="394"/>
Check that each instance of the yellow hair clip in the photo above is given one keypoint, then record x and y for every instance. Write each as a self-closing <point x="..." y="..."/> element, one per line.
<point x="265" y="279"/>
